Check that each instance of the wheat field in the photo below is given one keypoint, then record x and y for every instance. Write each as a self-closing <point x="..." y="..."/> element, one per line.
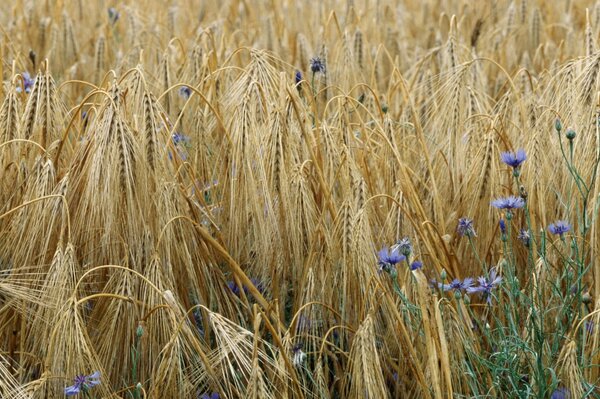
<point x="299" y="199"/>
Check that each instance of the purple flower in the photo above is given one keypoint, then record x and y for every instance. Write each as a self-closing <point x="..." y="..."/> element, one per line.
<point x="28" y="83"/>
<point x="509" y="203"/>
<point x="416" y="265"/>
<point x="236" y="289"/>
<point x="560" y="393"/>
<point x="524" y="237"/>
<point x="486" y="285"/>
<point x="457" y="285"/>
<point x="213" y="395"/>
<point x="514" y="159"/>
<point x="185" y="92"/>
<point x="502" y="226"/>
<point x="391" y="257"/>
<point x="317" y="65"/>
<point x="113" y="15"/>
<point x="560" y="227"/>
<point x="298" y="77"/>
<point x="180" y="138"/>
<point x="465" y="227"/>
<point x="83" y="383"/>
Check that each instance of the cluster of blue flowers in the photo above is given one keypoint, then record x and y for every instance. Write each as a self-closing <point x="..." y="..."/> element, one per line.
<point x="388" y="258"/>
<point x="485" y="287"/>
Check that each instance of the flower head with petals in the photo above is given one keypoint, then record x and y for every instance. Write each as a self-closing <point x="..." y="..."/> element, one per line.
<point x="508" y="203"/>
<point x="83" y="383"/>
<point x="514" y="159"/>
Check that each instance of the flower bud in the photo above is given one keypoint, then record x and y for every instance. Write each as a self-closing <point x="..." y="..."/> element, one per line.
<point x="558" y="125"/>
<point x="571" y="134"/>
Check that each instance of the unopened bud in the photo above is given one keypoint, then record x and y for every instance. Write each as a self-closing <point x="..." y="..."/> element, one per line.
<point x="558" y="125"/>
<point x="571" y="134"/>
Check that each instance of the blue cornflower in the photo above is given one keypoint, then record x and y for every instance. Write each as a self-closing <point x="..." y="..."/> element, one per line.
<point x="180" y="138"/>
<point x="213" y="395"/>
<point x="465" y="227"/>
<point x="317" y="65"/>
<point x="28" y="83"/>
<point x="83" y="383"/>
<point x="524" y="237"/>
<point x="416" y="265"/>
<point x="502" y="226"/>
<point x="298" y="77"/>
<point x="509" y="203"/>
<point x="236" y="289"/>
<point x="404" y="246"/>
<point x="457" y="285"/>
<point x="486" y="285"/>
<point x="113" y="15"/>
<point x="514" y="159"/>
<point x="388" y="258"/>
<point x="185" y="92"/>
<point x="560" y="227"/>
<point x="561" y="393"/>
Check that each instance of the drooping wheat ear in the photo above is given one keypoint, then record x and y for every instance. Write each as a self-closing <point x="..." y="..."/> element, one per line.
<point x="150" y="130"/>
<point x="118" y="317"/>
<point x="10" y="126"/>
<point x="535" y="29"/>
<point x="568" y="368"/>
<point x="451" y="43"/>
<point x="42" y="34"/>
<point x="29" y="116"/>
<point x="589" y="35"/>
<point x="237" y="351"/>
<point x="488" y="154"/>
<point x="171" y="17"/>
<point x="133" y="30"/>
<point x="358" y="47"/>
<point x="523" y="12"/>
<point x="165" y="79"/>
<point x="70" y="352"/>
<point x="365" y="378"/>
<point x="510" y="18"/>
<point x="325" y="76"/>
<point x="589" y="77"/>
<point x="99" y="56"/>
<point x="71" y="42"/>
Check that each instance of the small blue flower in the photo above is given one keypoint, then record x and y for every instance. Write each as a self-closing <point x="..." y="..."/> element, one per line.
<point x="457" y="285"/>
<point x="236" y="289"/>
<point x="317" y="65"/>
<point x="298" y="77"/>
<point x="560" y="227"/>
<point x="486" y="285"/>
<point x="113" y="15"/>
<point x="561" y="393"/>
<point x="514" y="159"/>
<point x="388" y="258"/>
<point x="502" y="226"/>
<point x="83" y="383"/>
<point x="416" y="265"/>
<point x="509" y="203"/>
<point x="185" y="92"/>
<point x="524" y="237"/>
<point x="28" y="83"/>
<point x="465" y="227"/>
<point x="180" y="138"/>
<point x="213" y="395"/>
